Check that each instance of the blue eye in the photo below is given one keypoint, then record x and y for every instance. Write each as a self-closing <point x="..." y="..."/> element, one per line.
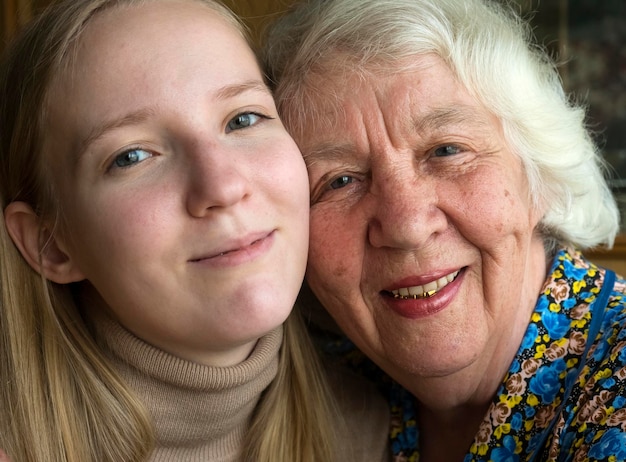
<point x="447" y="150"/>
<point x="247" y="119"/>
<point x="341" y="182"/>
<point x="131" y="157"/>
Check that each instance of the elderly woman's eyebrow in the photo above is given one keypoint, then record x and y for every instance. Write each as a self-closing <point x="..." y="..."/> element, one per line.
<point x="435" y="119"/>
<point x="431" y="121"/>
<point x="328" y="152"/>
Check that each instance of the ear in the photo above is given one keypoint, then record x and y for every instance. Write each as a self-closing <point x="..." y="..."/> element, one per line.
<point x="38" y="245"/>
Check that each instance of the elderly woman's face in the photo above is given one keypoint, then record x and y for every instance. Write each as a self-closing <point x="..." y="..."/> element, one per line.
<point x="422" y="229"/>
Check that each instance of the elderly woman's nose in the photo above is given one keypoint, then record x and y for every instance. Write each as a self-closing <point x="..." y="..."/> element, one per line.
<point x="405" y="213"/>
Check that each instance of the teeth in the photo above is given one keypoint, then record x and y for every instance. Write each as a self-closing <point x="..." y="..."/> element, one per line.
<point x="425" y="291"/>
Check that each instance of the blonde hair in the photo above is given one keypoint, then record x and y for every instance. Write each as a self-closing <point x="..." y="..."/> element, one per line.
<point x="491" y="51"/>
<point x="60" y="399"/>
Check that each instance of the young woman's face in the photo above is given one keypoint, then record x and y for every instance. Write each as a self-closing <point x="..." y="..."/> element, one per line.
<point x="184" y="200"/>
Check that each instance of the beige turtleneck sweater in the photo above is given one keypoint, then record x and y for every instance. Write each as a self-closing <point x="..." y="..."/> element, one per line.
<point x="202" y="413"/>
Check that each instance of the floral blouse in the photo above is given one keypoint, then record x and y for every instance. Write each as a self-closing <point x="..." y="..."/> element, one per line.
<point x="564" y="396"/>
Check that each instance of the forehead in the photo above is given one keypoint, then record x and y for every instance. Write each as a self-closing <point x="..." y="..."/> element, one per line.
<point x="119" y="42"/>
<point x="154" y="54"/>
<point x="150" y="25"/>
<point x="423" y="95"/>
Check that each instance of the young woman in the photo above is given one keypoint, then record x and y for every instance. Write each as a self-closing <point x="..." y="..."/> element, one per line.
<point x="154" y="241"/>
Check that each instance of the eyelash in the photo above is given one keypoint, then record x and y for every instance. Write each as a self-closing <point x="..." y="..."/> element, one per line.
<point x="325" y="186"/>
<point x="230" y="129"/>
<point x="457" y="150"/>
<point x="115" y="165"/>
<point x="349" y="179"/>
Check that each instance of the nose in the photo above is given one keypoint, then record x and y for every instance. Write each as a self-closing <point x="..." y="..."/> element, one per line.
<point x="405" y="207"/>
<point x="216" y="181"/>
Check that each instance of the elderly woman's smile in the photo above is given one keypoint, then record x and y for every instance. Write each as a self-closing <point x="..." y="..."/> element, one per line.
<point x="426" y="290"/>
<point x="426" y="300"/>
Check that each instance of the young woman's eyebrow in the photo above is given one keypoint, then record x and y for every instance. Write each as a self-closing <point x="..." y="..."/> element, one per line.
<point x="141" y="115"/>
<point x="102" y="129"/>
<point x="230" y="91"/>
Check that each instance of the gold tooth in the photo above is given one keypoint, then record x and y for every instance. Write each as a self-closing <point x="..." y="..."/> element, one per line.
<point x="428" y="294"/>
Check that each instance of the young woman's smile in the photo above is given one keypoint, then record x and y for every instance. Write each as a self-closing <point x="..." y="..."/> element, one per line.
<point x="238" y="252"/>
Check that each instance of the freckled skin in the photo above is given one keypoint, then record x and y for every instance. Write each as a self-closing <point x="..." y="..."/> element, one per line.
<point x="428" y="186"/>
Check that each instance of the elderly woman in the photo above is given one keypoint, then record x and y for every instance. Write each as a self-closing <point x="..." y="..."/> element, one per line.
<point x="453" y="186"/>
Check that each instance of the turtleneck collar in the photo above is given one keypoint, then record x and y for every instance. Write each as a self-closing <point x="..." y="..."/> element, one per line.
<point x="199" y="412"/>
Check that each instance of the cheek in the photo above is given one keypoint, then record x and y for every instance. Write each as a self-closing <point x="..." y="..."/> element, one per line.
<point x="283" y="176"/>
<point x="491" y="205"/>
<point x="335" y="253"/>
<point x="132" y="219"/>
<point x="121" y="227"/>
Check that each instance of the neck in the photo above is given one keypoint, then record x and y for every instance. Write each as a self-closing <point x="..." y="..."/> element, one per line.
<point x="446" y="436"/>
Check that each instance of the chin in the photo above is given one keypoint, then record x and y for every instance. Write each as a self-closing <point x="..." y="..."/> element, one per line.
<point x="266" y="315"/>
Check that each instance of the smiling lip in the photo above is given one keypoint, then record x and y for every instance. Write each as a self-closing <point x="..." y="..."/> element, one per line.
<point x="240" y="251"/>
<point x="415" y="301"/>
<point x="427" y="290"/>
